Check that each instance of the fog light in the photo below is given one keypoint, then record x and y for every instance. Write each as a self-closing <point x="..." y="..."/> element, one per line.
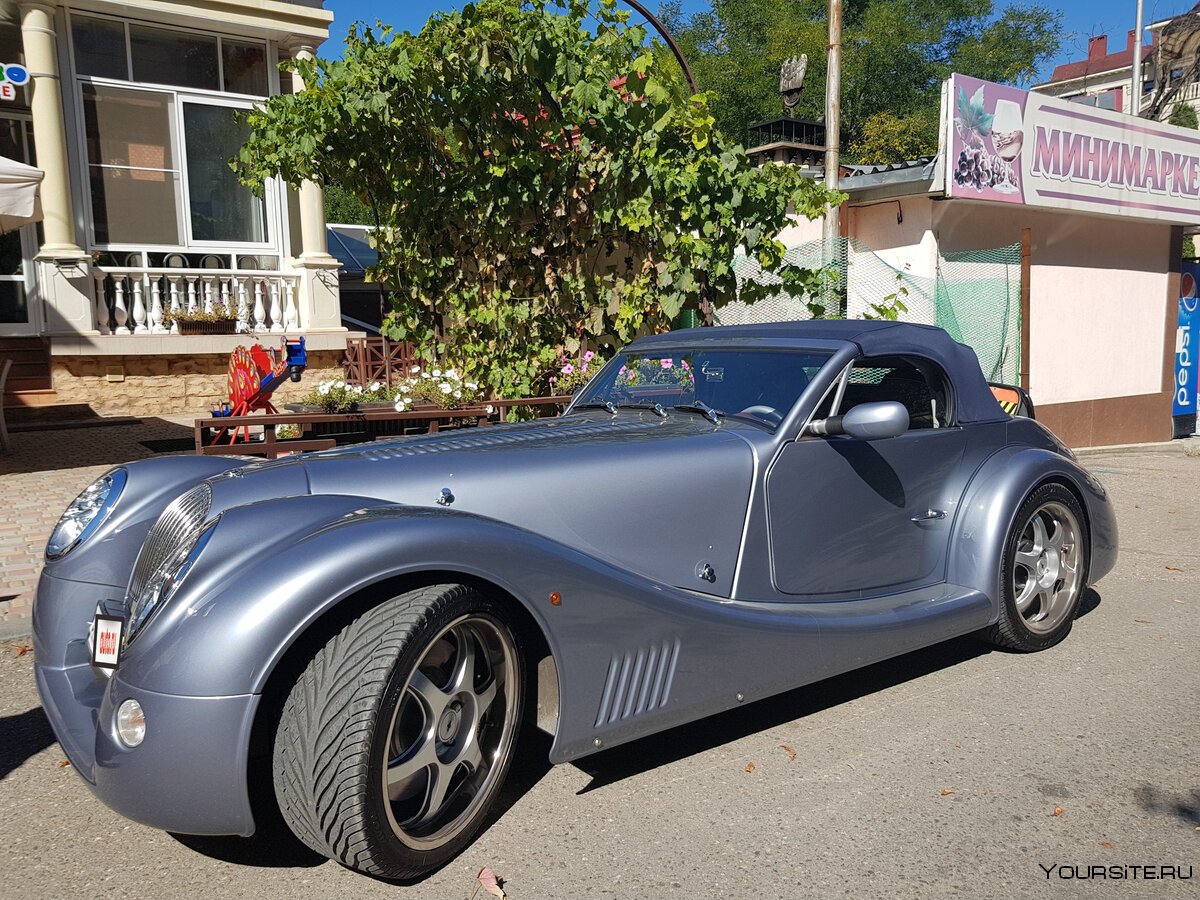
<point x="131" y="723"/>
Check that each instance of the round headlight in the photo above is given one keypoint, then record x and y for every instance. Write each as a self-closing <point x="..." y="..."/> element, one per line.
<point x="131" y="723"/>
<point x="85" y="514"/>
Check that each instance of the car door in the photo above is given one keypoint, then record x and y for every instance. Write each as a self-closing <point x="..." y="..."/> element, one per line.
<point x="854" y="517"/>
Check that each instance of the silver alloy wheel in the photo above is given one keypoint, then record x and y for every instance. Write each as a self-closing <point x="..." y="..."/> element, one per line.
<point x="450" y="731"/>
<point x="1046" y="574"/>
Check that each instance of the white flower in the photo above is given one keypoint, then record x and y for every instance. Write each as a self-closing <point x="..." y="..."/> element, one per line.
<point x="437" y="373"/>
<point x="375" y="385"/>
<point x="490" y="409"/>
<point x="414" y="370"/>
<point x="445" y="388"/>
<point x="400" y="405"/>
<point x="339" y="384"/>
<point x="470" y="385"/>
<point x="323" y="389"/>
<point x="358" y="390"/>
<point x="452" y="375"/>
<point x="457" y="395"/>
<point x="426" y="375"/>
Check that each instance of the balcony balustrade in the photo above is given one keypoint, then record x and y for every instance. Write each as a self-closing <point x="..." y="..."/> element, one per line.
<point x="140" y="300"/>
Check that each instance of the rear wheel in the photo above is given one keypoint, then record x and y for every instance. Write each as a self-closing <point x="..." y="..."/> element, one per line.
<point x="394" y="741"/>
<point x="1044" y="571"/>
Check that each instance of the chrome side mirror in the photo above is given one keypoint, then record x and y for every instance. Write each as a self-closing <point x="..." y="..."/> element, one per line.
<point x="866" y="422"/>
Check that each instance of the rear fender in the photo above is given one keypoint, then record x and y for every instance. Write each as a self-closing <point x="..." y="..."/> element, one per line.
<point x="990" y="506"/>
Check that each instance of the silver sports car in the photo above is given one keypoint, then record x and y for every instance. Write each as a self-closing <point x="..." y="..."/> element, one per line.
<point x="721" y="515"/>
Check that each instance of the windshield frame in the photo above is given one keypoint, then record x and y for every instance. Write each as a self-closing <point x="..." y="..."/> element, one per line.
<point x="824" y="352"/>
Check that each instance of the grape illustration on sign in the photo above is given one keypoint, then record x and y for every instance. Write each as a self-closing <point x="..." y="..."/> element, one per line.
<point x="988" y="138"/>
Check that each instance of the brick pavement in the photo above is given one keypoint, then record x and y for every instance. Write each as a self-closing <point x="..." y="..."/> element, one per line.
<point x="42" y="473"/>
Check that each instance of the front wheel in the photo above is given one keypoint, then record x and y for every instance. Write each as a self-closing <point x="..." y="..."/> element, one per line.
<point x="1044" y="572"/>
<point x="396" y="738"/>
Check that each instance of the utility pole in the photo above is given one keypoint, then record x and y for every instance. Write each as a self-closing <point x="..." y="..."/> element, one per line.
<point x="833" y="108"/>
<point x="1135" y="97"/>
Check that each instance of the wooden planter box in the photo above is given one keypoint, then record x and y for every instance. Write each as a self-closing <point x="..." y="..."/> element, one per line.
<point x="220" y="326"/>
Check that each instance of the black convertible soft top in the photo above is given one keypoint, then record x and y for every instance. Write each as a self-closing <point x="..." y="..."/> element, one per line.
<point x="974" y="401"/>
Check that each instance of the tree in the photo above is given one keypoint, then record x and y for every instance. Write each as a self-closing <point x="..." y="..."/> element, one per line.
<point x="344" y="208"/>
<point x="1176" y="62"/>
<point x="1184" y="115"/>
<point x="538" y="177"/>
<point x="895" y="55"/>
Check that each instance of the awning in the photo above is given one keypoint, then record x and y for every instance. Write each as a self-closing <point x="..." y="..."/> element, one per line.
<point x="19" y="202"/>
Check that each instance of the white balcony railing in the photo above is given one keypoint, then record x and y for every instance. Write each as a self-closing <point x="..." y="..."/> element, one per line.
<point x="137" y="300"/>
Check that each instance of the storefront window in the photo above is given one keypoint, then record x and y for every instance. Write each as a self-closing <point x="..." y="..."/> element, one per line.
<point x="221" y="209"/>
<point x="131" y="167"/>
<point x="99" y="47"/>
<point x="161" y="56"/>
<point x="245" y="67"/>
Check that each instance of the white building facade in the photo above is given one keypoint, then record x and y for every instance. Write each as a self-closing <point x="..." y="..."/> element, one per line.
<point x="132" y="111"/>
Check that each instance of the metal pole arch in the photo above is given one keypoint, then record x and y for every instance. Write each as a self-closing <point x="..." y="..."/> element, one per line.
<point x="658" y="26"/>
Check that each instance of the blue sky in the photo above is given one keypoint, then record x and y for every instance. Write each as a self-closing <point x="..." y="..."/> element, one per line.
<point x="1083" y="18"/>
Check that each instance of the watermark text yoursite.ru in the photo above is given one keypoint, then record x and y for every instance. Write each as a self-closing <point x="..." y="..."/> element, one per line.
<point x="1067" y="872"/>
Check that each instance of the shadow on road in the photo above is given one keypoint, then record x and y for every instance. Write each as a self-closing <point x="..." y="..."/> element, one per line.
<point x="21" y="737"/>
<point x="1183" y="806"/>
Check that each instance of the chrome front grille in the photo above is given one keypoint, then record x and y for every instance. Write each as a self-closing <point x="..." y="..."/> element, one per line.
<point x="178" y="526"/>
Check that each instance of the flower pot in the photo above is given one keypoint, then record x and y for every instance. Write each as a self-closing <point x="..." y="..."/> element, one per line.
<point x="216" y="326"/>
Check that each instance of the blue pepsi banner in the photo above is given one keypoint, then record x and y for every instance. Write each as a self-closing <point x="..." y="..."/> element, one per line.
<point x="1187" y="342"/>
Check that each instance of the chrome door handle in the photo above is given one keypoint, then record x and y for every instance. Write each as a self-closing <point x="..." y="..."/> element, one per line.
<point x="929" y="516"/>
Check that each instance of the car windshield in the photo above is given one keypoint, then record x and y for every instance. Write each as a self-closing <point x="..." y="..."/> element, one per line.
<point x="758" y="386"/>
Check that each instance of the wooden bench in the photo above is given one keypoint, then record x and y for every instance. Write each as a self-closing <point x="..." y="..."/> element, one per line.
<point x="424" y="421"/>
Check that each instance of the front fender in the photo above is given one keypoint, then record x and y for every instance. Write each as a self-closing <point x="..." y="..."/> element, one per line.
<point x="633" y="656"/>
<point x="990" y="506"/>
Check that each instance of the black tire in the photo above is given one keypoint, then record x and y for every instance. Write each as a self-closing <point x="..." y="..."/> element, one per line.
<point x="364" y="710"/>
<point x="1041" y="584"/>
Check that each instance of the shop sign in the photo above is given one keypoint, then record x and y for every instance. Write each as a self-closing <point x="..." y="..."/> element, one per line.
<point x="1013" y="146"/>
<point x="1187" y="342"/>
<point x="12" y="76"/>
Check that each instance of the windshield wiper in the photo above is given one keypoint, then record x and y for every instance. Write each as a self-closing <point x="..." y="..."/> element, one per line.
<point x="607" y="404"/>
<point x="655" y="408"/>
<point x="699" y="406"/>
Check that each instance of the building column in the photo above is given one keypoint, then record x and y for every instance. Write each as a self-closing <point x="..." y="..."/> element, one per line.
<point x="64" y="278"/>
<point x="49" y="130"/>
<point x="320" y="302"/>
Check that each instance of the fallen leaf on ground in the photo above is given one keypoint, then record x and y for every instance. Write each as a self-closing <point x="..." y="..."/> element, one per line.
<point x="490" y="882"/>
<point x="22" y="649"/>
<point x="1144" y="621"/>
<point x="1157" y="637"/>
<point x="790" y="751"/>
<point x="1058" y="811"/>
<point x="946" y="792"/>
<point x="750" y="767"/>
<point x="1174" y="569"/>
<point x="64" y="763"/>
<point x="1107" y="845"/>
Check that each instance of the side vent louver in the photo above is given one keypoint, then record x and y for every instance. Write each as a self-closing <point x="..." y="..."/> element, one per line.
<point x="638" y="682"/>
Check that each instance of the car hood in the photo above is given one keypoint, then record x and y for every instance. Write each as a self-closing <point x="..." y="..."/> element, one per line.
<point x="662" y="497"/>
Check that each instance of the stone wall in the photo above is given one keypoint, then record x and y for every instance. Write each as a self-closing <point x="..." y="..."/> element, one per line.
<point x="169" y="385"/>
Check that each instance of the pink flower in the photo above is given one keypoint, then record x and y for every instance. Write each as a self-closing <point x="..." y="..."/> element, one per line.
<point x="668" y="364"/>
<point x="552" y="379"/>
<point x="622" y="372"/>
<point x="589" y="356"/>
<point x="685" y="365"/>
<point x="583" y="367"/>
<point x="568" y="369"/>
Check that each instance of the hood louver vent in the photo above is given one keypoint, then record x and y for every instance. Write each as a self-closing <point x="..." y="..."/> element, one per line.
<point x="481" y="438"/>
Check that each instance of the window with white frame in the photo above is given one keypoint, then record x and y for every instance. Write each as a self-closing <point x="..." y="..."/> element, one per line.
<point x="159" y="111"/>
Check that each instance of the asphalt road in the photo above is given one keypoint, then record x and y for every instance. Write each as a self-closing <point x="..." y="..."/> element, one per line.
<point x="949" y="772"/>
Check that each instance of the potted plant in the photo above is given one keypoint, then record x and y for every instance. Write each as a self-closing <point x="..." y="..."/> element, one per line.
<point x="221" y="320"/>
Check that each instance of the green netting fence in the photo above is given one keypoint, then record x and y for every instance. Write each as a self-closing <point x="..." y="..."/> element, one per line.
<point x="975" y="295"/>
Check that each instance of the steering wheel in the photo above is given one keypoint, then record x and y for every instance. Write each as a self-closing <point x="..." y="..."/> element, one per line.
<point x="770" y="413"/>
